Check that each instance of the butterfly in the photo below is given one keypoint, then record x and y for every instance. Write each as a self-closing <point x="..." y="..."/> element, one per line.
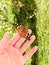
<point x="22" y="30"/>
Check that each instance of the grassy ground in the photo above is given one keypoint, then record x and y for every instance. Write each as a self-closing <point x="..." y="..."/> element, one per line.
<point x="6" y="17"/>
<point x="34" y="14"/>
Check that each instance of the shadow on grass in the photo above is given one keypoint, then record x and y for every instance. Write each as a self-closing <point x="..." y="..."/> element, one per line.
<point x="33" y="27"/>
<point x="20" y="18"/>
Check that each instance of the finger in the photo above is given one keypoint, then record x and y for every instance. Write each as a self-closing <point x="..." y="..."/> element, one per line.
<point x="4" y="41"/>
<point x="21" y="40"/>
<point x="27" y="44"/>
<point x="30" y="53"/>
<point x="14" y="39"/>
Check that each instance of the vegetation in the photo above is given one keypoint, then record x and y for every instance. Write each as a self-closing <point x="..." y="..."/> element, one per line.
<point x="33" y="14"/>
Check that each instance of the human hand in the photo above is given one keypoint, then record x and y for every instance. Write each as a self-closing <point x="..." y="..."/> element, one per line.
<point x="10" y="51"/>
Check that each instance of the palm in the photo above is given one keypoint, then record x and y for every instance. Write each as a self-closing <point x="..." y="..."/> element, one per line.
<point x="12" y="54"/>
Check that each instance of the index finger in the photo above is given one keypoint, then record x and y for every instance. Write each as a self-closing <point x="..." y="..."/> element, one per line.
<point x="14" y="39"/>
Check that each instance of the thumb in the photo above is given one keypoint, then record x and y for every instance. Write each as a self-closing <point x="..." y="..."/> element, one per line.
<point x="4" y="41"/>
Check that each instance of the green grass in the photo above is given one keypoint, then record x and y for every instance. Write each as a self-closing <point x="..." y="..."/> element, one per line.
<point x="6" y="17"/>
<point x="33" y="14"/>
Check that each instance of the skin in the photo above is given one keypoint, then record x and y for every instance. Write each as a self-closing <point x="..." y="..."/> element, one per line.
<point x="10" y="51"/>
